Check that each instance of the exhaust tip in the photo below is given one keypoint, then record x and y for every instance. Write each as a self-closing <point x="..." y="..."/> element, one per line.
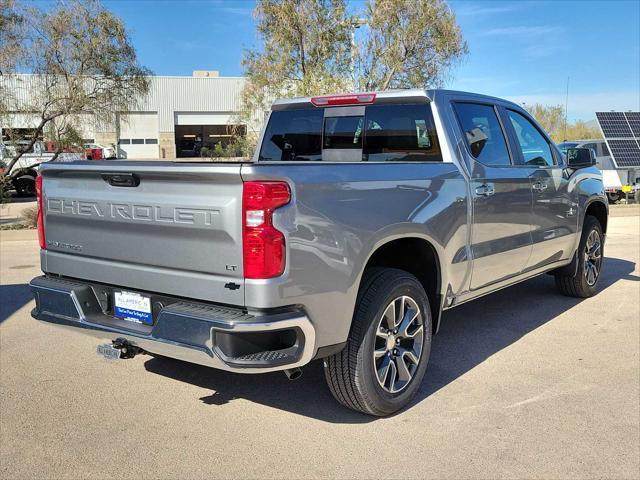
<point x="293" y="373"/>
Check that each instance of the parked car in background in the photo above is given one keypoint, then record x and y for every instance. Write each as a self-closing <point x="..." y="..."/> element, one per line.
<point x="94" y="151"/>
<point x="361" y="218"/>
<point x="617" y="181"/>
<point x="24" y="172"/>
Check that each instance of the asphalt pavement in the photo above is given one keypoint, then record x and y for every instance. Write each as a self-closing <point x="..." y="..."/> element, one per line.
<point x="524" y="383"/>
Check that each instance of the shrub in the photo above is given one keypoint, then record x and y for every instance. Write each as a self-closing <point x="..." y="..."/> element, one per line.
<point x="29" y="216"/>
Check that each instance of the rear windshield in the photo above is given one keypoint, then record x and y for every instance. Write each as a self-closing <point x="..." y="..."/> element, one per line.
<point x="384" y="133"/>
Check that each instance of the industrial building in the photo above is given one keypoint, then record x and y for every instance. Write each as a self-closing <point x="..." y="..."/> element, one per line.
<point x="177" y="118"/>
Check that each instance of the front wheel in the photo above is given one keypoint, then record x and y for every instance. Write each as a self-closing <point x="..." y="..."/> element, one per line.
<point x="382" y="366"/>
<point x="590" y="257"/>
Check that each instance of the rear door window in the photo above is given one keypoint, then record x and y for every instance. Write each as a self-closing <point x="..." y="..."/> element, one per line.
<point x="483" y="133"/>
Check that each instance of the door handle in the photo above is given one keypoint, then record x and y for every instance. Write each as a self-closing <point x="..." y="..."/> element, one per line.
<point x="540" y="186"/>
<point x="121" y="179"/>
<point x="485" y="190"/>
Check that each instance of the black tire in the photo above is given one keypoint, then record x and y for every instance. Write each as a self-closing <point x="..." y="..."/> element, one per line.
<point x="25" y="187"/>
<point x="352" y="374"/>
<point x="579" y="285"/>
<point x="613" y="197"/>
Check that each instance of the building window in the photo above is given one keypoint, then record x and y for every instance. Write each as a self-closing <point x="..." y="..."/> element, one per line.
<point x="151" y="141"/>
<point x="124" y="141"/>
<point x="137" y="141"/>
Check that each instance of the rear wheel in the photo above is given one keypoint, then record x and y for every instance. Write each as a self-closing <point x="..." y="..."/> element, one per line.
<point x="383" y="364"/>
<point x="25" y="187"/>
<point x="613" y="197"/>
<point x="590" y="262"/>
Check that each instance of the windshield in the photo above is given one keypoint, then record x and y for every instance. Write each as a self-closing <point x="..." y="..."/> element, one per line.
<point x="381" y="133"/>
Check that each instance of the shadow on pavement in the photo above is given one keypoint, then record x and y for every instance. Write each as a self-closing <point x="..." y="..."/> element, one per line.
<point x="13" y="298"/>
<point x="16" y="199"/>
<point x="469" y="334"/>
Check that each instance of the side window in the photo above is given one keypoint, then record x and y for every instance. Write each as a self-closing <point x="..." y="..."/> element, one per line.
<point x="535" y="148"/>
<point x="400" y="133"/>
<point x="484" y="133"/>
<point x="593" y="147"/>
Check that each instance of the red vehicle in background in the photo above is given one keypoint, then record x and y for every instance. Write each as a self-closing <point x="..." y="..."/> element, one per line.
<point x="94" y="151"/>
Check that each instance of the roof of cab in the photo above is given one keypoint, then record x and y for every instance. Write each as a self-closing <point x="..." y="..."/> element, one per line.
<point x="389" y="96"/>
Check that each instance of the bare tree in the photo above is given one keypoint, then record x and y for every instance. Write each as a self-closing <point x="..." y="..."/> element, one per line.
<point x="80" y="61"/>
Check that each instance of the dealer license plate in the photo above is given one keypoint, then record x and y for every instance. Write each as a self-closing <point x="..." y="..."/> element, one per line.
<point x="133" y="307"/>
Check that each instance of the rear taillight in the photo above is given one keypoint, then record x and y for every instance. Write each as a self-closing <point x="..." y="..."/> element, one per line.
<point x="344" y="99"/>
<point x="263" y="244"/>
<point x="40" y="217"/>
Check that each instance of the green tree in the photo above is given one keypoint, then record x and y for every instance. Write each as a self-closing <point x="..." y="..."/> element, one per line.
<point x="82" y="62"/>
<point x="11" y="35"/>
<point x="310" y="47"/>
<point x="305" y="50"/>
<point x="551" y="117"/>
<point x="580" y="130"/>
<point x="408" y="43"/>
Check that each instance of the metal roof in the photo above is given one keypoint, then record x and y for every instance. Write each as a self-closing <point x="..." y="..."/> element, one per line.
<point x="166" y="96"/>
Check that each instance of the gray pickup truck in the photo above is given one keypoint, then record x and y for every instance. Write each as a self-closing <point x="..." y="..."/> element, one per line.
<point x="360" y="220"/>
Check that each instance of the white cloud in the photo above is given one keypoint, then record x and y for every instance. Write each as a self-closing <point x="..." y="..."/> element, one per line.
<point x="237" y="11"/>
<point x="473" y="10"/>
<point x="523" y="31"/>
<point x="582" y="106"/>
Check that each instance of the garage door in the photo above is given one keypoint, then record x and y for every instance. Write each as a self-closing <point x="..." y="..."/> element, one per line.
<point x="138" y="136"/>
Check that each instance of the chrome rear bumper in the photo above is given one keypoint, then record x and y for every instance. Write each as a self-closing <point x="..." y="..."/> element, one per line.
<point x="206" y="334"/>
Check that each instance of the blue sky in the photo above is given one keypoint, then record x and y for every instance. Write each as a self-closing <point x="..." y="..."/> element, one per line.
<point x="520" y="50"/>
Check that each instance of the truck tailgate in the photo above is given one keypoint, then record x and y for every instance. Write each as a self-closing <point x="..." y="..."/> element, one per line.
<point x="156" y="226"/>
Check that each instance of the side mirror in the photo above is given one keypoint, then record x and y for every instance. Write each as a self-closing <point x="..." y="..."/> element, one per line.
<point x="580" y="158"/>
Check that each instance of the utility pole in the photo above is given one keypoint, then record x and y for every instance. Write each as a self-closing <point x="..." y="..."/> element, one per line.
<point x="566" y="110"/>
<point x="355" y="23"/>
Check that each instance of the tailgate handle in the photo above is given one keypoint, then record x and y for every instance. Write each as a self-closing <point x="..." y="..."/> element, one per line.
<point x="121" y="179"/>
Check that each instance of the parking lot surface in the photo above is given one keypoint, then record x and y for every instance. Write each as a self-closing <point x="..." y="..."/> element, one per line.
<point x="524" y="383"/>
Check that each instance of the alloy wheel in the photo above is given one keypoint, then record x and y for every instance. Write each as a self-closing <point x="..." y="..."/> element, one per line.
<point x="398" y="344"/>
<point x="592" y="258"/>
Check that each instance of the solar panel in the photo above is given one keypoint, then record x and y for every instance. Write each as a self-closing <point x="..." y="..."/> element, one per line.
<point x="614" y="125"/>
<point x="634" y="122"/>
<point x="622" y="133"/>
<point x="625" y="152"/>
